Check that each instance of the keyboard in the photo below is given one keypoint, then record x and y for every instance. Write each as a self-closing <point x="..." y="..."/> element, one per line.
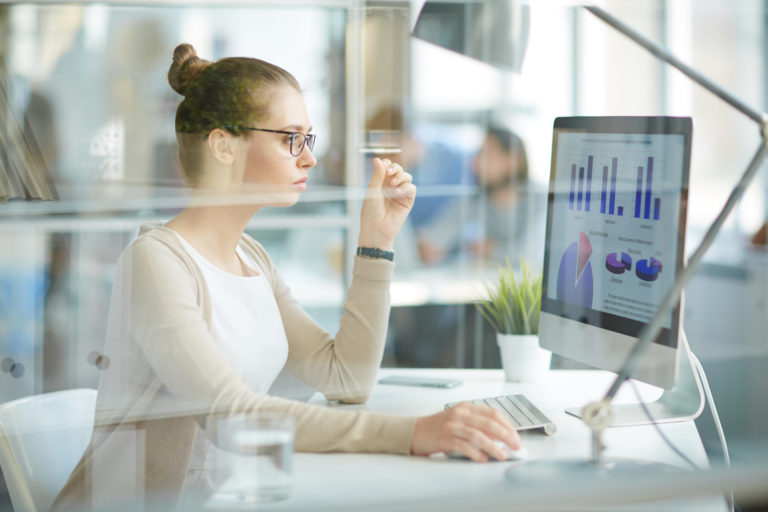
<point x="520" y="411"/>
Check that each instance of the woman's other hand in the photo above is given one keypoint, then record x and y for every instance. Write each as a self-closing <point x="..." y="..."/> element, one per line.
<point x="388" y="201"/>
<point x="465" y="428"/>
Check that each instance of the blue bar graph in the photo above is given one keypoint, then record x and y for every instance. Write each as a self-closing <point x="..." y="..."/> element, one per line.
<point x="605" y="187"/>
<point x="580" y="195"/>
<point x="639" y="191"/>
<point x="573" y="186"/>
<point x="612" y="200"/>
<point x="588" y="195"/>
<point x="648" y="186"/>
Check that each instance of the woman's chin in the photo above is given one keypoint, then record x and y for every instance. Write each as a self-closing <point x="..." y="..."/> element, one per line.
<point x="257" y="195"/>
<point x="284" y="199"/>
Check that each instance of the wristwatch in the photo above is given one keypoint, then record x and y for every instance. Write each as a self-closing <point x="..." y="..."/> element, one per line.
<point x="373" y="252"/>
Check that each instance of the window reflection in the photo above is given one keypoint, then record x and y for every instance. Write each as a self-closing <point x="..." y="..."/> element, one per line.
<point x="88" y="82"/>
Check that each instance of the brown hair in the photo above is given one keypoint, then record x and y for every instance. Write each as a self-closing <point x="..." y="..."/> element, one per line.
<point x="512" y="144"/>
<point x="226" y="94"/>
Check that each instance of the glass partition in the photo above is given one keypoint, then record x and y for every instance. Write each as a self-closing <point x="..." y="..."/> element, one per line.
<point x="88" y="154"/>
<point x="91" y="113"/>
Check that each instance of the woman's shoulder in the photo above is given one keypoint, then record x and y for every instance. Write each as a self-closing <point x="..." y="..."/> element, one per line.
<point x="153" y="237"/>
<point x="154" y="243"/>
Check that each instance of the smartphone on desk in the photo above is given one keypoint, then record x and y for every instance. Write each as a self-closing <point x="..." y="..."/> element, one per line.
<point x="429" y="382"/>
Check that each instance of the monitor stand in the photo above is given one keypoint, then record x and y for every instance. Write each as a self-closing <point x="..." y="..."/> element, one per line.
<point x="683" y="402"/>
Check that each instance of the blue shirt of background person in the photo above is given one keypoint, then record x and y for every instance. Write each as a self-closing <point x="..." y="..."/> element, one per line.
<point x="504" y="219"/>
<point x="437" y="156"/>
<point x="441" y="160"/>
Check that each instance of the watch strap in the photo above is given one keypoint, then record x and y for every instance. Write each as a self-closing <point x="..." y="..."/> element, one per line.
<point x="374" y="252"/>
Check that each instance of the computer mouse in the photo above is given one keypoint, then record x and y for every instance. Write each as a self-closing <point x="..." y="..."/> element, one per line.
<point x="519" y="454"/>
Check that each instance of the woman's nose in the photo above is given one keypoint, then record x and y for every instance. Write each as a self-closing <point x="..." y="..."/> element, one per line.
<point x="307" y="159"/>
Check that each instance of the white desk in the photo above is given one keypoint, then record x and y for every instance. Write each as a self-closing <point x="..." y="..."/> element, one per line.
<point x="364" y="482"/>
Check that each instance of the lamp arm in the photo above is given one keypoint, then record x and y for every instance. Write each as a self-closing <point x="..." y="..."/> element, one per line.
<point x="651" y="330"/>
<point x="663" y="54"/>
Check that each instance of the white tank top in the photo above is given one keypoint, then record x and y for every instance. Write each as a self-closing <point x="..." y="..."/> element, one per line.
<point x="245" y="321"/>
<point x="246" y="324"/>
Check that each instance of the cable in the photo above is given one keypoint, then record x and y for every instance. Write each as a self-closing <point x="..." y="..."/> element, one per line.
<point x="658" y="429"/>
<point x="713" y="409"/>
<point x="718" y="426"/>
<point x="716" y="418"/>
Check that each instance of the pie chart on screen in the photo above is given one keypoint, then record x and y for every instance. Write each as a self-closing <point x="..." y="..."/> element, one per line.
<point x="574" y="277"/>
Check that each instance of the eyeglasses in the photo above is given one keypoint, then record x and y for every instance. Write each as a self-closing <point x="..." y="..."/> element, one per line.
<point x="298" y="139"/>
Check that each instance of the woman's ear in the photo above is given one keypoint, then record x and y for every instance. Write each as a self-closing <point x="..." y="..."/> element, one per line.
<point x="222" y="146"/>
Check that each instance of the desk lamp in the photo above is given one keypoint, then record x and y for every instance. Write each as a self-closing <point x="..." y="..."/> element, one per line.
<point x="597" y="414"/>
<point x="512" y="19"/>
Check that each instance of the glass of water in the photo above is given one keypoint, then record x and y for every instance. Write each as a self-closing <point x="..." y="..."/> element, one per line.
<point x="259" y="449"/>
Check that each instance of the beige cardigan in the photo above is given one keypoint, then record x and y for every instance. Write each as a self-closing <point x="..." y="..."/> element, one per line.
<point x="168" y="376"/>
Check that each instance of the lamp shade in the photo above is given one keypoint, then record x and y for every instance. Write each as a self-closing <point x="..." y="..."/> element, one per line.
<point x="491" y="31"/>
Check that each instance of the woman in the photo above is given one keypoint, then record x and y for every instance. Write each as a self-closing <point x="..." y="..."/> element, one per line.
<point x="504" y="220"/>
<point x="201" y="323"/>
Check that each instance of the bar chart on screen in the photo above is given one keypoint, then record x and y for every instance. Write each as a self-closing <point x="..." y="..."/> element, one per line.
<point x="615" y="201"/>
<point x="634" y="183"/>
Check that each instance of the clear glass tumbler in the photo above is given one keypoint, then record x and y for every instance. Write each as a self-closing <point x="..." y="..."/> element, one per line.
<point x="260" y="452"/>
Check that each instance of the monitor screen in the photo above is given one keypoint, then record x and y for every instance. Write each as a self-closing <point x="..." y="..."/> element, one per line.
<point x="615" y="233"/>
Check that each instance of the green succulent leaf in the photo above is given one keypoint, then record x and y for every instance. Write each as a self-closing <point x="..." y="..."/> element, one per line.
<point x="512" y="303"/>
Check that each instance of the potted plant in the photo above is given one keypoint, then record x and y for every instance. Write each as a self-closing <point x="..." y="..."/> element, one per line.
<point x="512" y="305"/>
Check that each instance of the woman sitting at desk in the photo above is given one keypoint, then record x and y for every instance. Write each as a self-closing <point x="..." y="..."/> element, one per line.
<point x="201" y="323"/>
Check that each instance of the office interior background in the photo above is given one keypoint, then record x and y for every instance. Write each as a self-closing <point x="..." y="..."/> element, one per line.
<point x="85" y="85"/>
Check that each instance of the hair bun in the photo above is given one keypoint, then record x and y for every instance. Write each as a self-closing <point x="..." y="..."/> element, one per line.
<point x="185" y="68"/>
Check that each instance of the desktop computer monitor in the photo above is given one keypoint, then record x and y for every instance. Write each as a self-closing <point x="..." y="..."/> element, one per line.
<point x="615" y="240"/>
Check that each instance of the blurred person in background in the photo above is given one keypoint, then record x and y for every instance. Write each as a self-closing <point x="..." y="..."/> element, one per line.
<point x="431" y="160"/>
<point x="503" y="220"/>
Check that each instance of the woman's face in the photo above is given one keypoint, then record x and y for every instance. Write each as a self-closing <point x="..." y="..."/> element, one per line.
<point x="492" y="164"/>
<point x="269" y="165"/>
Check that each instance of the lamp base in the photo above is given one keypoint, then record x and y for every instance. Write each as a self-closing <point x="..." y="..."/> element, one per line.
<point x="546" y="471"/>
<point x="579" y="484"/>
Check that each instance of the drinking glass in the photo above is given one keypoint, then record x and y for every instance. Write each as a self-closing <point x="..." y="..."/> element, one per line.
<point x="259" y="449"/>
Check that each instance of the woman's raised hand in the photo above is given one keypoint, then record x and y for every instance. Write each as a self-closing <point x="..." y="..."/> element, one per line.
<point x="465" y="428"/>
<point x="388" y="201"/>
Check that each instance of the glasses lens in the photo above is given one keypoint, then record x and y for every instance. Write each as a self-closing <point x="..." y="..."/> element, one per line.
<point x="297" y="143"/>
<point x="299" y="140"/>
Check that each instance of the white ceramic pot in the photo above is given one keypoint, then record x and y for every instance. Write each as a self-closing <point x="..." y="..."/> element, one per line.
<point x="522" y="358"/>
